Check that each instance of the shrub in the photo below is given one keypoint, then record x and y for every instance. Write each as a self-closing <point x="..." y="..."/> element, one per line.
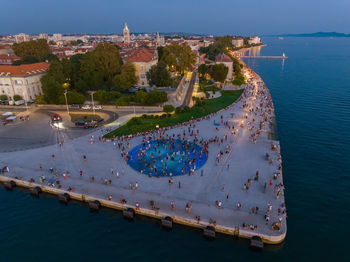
<point x="40" y="99"/>
<point x="178" y="110"/>
<point x="3" y="97"/>
<point x="168" y="108"/>
<point x="17" y="97"/>
<point x="186" y="109"/>
<point x="123" y="101"/>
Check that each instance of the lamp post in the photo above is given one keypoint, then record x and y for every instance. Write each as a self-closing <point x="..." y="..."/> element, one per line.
<point x="65" y="96"/>
<point x="66" y="86"/>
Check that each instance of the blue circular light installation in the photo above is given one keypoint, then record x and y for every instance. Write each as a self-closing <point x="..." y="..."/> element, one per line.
<point x="167" y="157"/>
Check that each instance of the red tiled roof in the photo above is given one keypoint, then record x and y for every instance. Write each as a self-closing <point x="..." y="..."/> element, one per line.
<point x="22" y="70"/>
<point x="222" y="58"/>
<point x="140" y="55"/>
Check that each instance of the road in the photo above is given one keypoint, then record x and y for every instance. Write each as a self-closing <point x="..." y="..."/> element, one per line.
<point x="190" y="89"/>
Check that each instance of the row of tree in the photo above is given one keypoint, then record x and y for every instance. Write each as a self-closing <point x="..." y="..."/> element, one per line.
<point x="101" y="69"/>
<point x="218" y="72"/>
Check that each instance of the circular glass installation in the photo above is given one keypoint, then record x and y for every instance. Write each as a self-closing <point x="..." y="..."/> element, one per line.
<point x="167" y="157"/>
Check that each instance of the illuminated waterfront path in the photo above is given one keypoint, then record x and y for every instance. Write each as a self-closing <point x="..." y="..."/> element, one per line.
<point x="219" y="183"/>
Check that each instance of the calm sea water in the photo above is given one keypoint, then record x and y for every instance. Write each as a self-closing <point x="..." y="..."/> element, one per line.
<point x="311" y="93"/>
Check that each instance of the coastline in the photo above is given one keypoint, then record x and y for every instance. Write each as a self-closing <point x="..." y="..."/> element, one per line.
<point x="234" y="231"/>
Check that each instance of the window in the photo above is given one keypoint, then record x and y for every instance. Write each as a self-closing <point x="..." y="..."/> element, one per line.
<point x="18" y="82"/>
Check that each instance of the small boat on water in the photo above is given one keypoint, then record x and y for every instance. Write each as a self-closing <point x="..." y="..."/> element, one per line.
<point x="280" y="38"/>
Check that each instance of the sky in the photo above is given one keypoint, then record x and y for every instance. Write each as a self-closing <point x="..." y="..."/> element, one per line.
<point x="217" y="17"/>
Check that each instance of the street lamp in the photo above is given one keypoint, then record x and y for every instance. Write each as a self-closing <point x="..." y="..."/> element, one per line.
<point x="65" y="96"/>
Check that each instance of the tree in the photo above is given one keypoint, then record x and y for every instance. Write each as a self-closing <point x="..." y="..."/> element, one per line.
<point x="39" y="99"/>
<point x="154" y="97"/>
<point x="219" y="72"/>
<point x="203" y="69"/>
<point x="99" y="67"/>
<point x="159" y="75"/>
<point x="102" y="96"/>
<point x="3" y="97"/>
<point x="73" y="97"/>
<point x="52" y="83"/>
<point x="26" y="60"/>
<point x="37" y="48"/>
<point x="140" y="97"/>
<point x="160" y="51"/>
<point x="127" y="78"/>
<point x="179" y="57"/>
<point x="168" y="108"/>
<point x="17" y="97"/>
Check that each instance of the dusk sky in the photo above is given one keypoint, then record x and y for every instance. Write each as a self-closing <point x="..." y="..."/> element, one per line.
<point x="192" y="16"/>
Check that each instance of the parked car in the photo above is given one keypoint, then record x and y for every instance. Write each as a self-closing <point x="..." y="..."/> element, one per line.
<point x="75" y="106"/>
<point x="98" y="107"/>
<point x="80" y="123"/>
<point x="19" y="102"/>
<point x="99" y="120"/>
<point x="90" y="125"/>
<point x="86" y="107"/>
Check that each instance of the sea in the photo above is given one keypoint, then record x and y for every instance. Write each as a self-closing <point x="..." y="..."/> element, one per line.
<point x="311" y="95"/>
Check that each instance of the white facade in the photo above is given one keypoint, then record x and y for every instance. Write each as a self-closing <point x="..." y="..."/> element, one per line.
<point x="43" y="36"/>
<point x="22" y="38"/>
<point x="126" y="34"/>
<point x="28" y="87"/>
<point x="57" y="37"/>
<point x="237" y="42"/>
<point x="254" y="40"/>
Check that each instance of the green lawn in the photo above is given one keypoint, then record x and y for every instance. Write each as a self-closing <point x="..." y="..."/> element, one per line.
<point x="206" y="85"/>
<point x="83" y="117"/>
<point x="146" y="123"/>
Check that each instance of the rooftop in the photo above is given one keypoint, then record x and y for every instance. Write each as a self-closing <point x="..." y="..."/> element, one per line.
<point x="23" y="70"/>
<point x="222" y="58"/>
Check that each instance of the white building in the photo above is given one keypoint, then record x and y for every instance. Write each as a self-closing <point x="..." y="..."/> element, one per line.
<point x="254" y="40"/>
<point x="57" y="37"/>
<point x="23" y="80"/>
<point x="22" y="38"/>
<point x="237" y="42"/>
<point x="227" y="61"/>
<point x="126" y="34"/>
<point x="160" y="40"/>
<point x="43" y="36"/>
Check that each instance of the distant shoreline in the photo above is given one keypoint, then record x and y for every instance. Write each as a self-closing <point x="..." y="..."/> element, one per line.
<point x="318" y="34"/>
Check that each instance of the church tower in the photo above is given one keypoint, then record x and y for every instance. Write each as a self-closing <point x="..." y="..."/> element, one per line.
<point x="126" y="34"/>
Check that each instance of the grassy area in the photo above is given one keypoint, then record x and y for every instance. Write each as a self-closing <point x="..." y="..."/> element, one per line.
<point x="83" y="117"/>
<point x="206" y="85"/>
<point x="146" y="123"/>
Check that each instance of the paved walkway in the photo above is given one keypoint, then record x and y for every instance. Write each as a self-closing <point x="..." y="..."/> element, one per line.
<point x="243" y="139"/>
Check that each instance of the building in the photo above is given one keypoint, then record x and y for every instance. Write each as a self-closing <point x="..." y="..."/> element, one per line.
<point x="254" y="40"/>
<point x="160" y="40"/>
<point x="143" y="59"/>
<point x="43" y="36"/>
<point x="8" y="59"/>
<point x="23" y="80"/>
<point x="227" y="61"/>
<point x="57" y="37"/>
<point x="126" y="34"/>
<point x="238" y="42"/>
<point x="22" y="38"/>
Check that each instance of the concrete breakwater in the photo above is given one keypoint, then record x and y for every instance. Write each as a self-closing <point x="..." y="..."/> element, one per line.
<point x="235" y="232"/>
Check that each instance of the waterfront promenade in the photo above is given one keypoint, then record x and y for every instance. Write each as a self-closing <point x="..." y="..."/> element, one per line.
<point x="242" y="133"/>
